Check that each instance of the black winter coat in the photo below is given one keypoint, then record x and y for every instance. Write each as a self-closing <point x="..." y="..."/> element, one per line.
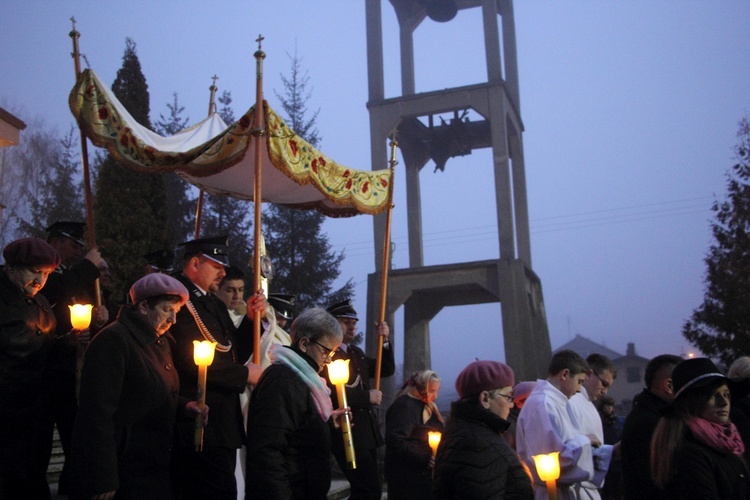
<point x="701" y="473"/>
<point x="288" y="444"/>
<point x="128" y="400"/>
<point x="27" y="333"/>
<point x="474" y="461"/>
<point x="27" y="339"/>
<point x="407" y="449"/>
<point x="635" y="447"/>
<point x="226" y="379"/>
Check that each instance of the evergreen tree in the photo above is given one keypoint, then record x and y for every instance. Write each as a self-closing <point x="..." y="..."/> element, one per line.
<point x="720" y="326"/>
<point x="226" y="215"/>
<point x="180" y="196"/>
<point x="130" y="207"/>
<point x="60" y="193"/>
<point x="303" y="261"/>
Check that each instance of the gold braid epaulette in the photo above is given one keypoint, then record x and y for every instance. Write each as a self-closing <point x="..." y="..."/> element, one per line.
<point x="202" y="327"/>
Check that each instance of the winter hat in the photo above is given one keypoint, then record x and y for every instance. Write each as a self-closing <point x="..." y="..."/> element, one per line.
<point x="29" y="252"/>
<point x="481" y="376"/>
<point x="155" y="284"/>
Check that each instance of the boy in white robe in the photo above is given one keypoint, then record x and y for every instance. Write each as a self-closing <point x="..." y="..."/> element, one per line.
<point x="547" y="423"/>
<point x="601" y="376"/>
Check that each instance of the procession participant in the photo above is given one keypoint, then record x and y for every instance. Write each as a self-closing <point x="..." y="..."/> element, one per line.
<point x="640" y="425"/>
<point x="696" y="451"/>
<point x="283" y="307"/>
<point x="601" y="376"/>
<point x="365" y="479"/>
<point x="72" y="283"/>
<point x="129" y="399"/>
<point x="474" y="461"/>
<point x="547" y="424"/>
<point x="232" y="292"/>
<point x="27" y="333"/>
<point x="210" y="472"/>
<point x="289" y="441"/>
<point x="159" y="261"/>
<point x="408" y="457"/>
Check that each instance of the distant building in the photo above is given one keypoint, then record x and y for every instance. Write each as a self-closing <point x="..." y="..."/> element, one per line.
<point x="10" y="129"/>
<point x="630" y="370"/>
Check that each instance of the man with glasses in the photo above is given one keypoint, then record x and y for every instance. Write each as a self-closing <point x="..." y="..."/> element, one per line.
<point x="601" y="376"/>
<point x="365" y="479"/>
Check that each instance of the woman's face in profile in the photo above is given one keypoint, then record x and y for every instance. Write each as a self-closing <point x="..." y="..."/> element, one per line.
<point x="717" y="407"/>
<point x="433" y="388"/>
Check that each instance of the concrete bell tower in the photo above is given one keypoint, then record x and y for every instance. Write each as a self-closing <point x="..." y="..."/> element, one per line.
<point x="423" y="135"/>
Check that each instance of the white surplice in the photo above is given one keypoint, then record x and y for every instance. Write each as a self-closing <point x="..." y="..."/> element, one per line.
<point x="547" y="423"/>
<point x="591" y="424"/>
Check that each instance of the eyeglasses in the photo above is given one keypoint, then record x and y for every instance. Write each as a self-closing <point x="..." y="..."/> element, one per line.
<point x="604" y="382"/>
<point x="506" y="396"/>
<point x="329" y="353"/>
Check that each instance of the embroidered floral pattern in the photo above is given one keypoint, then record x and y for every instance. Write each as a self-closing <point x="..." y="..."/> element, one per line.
<point x="351" y="191"/>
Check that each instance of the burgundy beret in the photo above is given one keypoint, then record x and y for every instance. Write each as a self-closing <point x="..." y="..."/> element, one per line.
<point x="31" y="251"/>
<point x="155" y="284"/>
<point x="481" y="376"/>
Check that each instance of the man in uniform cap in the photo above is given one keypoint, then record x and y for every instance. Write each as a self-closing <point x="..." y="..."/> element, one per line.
<point x="159" y="261"/>
<point x="365" y="479"/>
<point x="72" y="283"/>
<point x="209" y="473"/>
<point x="283" y="307"/>
<point x="27" y="327"/>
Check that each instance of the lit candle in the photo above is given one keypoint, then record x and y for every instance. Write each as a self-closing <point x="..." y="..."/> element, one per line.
<point x="338" y="374"/>
<point x="203" y="355"/>
<point x="80" y="316"/>
<point x="433" y="437"/>
<point x="548" y="469"/>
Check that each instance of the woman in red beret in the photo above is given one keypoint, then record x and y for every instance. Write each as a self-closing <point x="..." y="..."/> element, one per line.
<point x="27" y="331"/>
<point x="129" y="399"/>
<point x="408" y="456"/>
<point x="474" y="461"/>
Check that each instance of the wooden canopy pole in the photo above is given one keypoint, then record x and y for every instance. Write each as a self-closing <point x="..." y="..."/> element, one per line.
<point x="385" y="266"/>
<point x="90" y="230"/>
<point x="211" y="110"/>
<point x="259" y="133"/>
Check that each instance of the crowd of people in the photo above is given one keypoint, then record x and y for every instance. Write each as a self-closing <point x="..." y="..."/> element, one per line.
<point x="124" y="394"/>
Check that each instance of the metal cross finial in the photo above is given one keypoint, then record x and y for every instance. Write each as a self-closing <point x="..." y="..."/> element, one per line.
<point x="259" y="40"/>
<point x="73" y="20"/>
<point x="214" y="78"/>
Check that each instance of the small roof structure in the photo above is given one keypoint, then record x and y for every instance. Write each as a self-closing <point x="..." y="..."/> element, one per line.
<point x="10" y="129"/>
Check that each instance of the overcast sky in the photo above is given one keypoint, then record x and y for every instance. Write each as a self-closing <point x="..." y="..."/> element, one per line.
<point x="630" y="111"/>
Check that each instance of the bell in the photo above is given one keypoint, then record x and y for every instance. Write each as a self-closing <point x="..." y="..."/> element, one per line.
<point x="441" y="11"/>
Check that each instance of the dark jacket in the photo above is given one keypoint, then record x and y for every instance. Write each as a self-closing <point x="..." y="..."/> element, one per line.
<point x="407" y="449"/>
<point x="27" y="338"/>
<point x="226" y="377"/>
<point x="701" y="473"/>
<point x="366" y="430"/>
<point x="635" y="447"/>
<point x="128" y="399"/>
<point x="288" y="445"/>
<point x="27" y="332"/>
<point x="474" y="461"/>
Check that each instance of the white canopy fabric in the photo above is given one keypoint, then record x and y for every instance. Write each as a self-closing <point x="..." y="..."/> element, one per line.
<point x="220" y="158"/>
